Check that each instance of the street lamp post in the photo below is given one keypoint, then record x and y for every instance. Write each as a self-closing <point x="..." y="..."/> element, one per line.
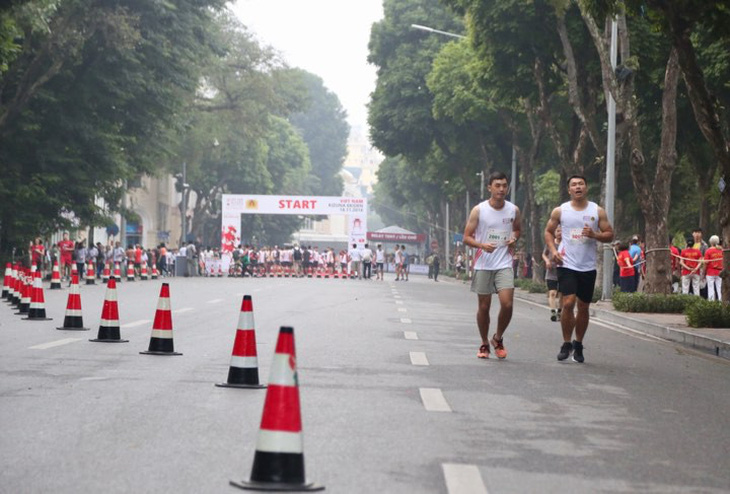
<point x="610" y="171"/>
<point x="184" y="203"/>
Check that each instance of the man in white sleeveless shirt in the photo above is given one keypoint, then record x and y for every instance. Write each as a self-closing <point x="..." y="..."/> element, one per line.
<point x="583" y="224"/>
<point x="493" y="228"/>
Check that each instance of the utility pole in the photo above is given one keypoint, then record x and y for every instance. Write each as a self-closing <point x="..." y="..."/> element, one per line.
<point x="610" y="172"/>
<point x="184" y="234"/>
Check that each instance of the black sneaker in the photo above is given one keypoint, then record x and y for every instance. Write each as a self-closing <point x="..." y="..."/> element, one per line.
<point x="553" y="316"/>
<point x="578" y="352"/>
<point x="565" y="350"/>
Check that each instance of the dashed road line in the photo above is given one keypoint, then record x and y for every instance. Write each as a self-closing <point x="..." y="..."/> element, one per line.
<point x="402" y="309"/>
<point x="406" y="320"/>
<point x="184" y="309"/>
<point x="410" y="335"/>
<point x="134" y="324"/>
<point x="399" y="302"/>
<point x="45" y="346"/>
<point x="433" y="400"/>
<point x="463" y="479"/>
<point x="214" y="301"/>
<point x="418" y="358"/>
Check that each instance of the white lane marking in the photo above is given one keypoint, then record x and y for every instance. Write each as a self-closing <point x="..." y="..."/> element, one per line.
<point x="399" y="302"/>
<point x="418" y="358"/>
<point x="402" y="309"/>
<point x="410" y="335"/>
<point x="184" y="309"/>
<point x="45" y="346"/>
<point x="396" y="296"/>
<point x="463" y="479"/>
<point x="405" y="320"/>
<point x="134" y="324"/>
<point x="433" y="400"/>
<point x="214" y="301"/>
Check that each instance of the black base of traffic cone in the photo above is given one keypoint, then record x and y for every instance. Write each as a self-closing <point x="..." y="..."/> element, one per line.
<point x="274" y="486"/>
<point x="159" y="353"/>
<point x="74" y="329"/>
<point x="242" y="378"/>
<point x="109" y="335"/>
<point x="97" y="340"/>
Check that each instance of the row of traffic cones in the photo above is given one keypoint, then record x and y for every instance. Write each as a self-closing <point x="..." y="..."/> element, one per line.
<point x="279" y="458"/>
<point x="23" y="288"/>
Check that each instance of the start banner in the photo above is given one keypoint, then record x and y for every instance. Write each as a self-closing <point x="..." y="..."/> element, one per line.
<point x="234" y="205"/>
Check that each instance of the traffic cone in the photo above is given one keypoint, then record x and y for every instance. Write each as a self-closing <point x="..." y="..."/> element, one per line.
<point x="13" y="292"/>
<point x="55" y="277"/>
<point x="73" y="320"/>
<point x="155" y="274"/>
<point x="161" y="341"/>
<point x="279" y="459"/>
<point x="220" y="270"/>
<point x="25" y="294"/>
<point x="143" y="273"/>
<point x="6" y="281"/>
<point x="109" y="331"/>
<point x="244" y="369"/>
<point x="37" y="309"/>
<point x="105" y="273"/>
<point x="90" y="274"/>
<point x="309" y="272"/>
<point x="130" y="271"/>
<point x="117" y="272"/>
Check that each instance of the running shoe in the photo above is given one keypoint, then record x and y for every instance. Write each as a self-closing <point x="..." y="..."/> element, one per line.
<point x="565" y="350"/>
<point x="499" y="347"/>
<point x="578" y="352"/>
<point x="554" y="316"/>
<point x="483" y="351"/>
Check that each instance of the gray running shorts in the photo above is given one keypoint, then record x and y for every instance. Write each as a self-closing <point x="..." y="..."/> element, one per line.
<point x="487" y="282"/>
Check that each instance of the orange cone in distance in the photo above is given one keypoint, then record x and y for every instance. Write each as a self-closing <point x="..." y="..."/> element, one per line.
<point x="279" y="459"/>
<point x="55" y="277"/>
<point x="154" y="274"/>
<point x="73" y="320"/>
<point x="109" y="331"/>
<point x="90" y="274"/>
<point x="244" y="369"/>
<point x="161" y="340"/>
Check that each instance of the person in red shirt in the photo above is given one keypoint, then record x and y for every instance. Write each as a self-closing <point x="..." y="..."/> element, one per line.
<point x="713" y="266"/>
<point x="37" y="252"/>
<point x="66" y="247"/>
<point x="627" y="278"/>
<point x="674" y="254"/>
<point x="691" y="263"/>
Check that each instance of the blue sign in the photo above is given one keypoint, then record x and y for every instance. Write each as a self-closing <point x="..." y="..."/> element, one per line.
<point x="458" y="237"/>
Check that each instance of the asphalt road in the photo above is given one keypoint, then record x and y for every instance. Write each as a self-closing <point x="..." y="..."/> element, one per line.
<point x="393" y="398"/>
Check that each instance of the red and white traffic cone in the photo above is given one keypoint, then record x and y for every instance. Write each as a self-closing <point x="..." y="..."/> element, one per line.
<point x="117" y="272"/>
<point x="37" y="310"/>
<point x="90" y="274"/>
<point x="25" y="293"/>
<point x="279" y="459"/>
<point x="6" y="281"/>
<point x="130" y="271"/>
<point x="220" y="270"/>
<point x="105" y="273"/>
<point x="55" y="277"/>
<point x="14" y="290"/>
<point x="155" y="274"/>
<point x="244" y="369"/>
<point x="143" y="273"/>
<point x="109" y="331"/>
<point x="161" y="340"/>
<point x="309" y="272"/>
<point x="73" y="321"/>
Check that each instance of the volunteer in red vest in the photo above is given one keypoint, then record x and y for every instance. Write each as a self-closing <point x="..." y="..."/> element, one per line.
<point x="690" y="262"/>
<point x="713" y="267"/>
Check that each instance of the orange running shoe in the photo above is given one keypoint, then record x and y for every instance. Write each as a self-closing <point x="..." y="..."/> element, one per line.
<point x="483" y="351"/>
<point x="499" y="347"/>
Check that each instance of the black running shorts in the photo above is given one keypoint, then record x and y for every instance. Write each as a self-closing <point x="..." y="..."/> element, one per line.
<point x="578" y="283"/>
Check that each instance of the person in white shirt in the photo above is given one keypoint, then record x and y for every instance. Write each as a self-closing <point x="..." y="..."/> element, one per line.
<point x="367" y="262"/>
<point x="379" y="262"/>
<point x="355" y="258"/>
<point x="583" y="224"/>
<point x="397" y="262"/>
<point x="493" y="228"/>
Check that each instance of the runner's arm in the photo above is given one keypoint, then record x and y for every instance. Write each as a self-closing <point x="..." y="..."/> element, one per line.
<point x="550" y="228"/>
<point x="605" y="233"/>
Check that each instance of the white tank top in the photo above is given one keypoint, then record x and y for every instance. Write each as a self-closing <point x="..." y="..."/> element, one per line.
<point x="495" y="227"/>
<point x="578" y="252"/>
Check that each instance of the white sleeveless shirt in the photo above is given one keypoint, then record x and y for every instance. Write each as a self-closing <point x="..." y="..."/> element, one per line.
<point x="495" y="227"/>
<point x="578" y="252"/>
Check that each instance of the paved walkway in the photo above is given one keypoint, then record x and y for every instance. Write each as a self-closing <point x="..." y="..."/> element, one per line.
<point x="672" y="327"/>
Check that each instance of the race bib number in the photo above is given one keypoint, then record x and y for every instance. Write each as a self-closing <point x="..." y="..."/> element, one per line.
<point x="498" y="237"/>
<point x="576" y="236"/>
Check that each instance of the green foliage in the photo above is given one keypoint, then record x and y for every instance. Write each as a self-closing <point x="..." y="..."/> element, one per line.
<point x="530" y="286"/>
<point x="708" y="314"/>
<point x="643" y="302"/>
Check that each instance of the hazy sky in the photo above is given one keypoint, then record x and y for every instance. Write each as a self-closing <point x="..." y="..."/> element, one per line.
<point x="328" y="38"/>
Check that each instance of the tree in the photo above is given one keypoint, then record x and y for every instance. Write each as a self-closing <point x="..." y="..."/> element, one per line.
<point x="324" y="128"/>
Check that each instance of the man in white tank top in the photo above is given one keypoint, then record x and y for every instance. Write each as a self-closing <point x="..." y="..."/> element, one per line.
<point x="493" y="228"/>
<point x="583" y="224"/>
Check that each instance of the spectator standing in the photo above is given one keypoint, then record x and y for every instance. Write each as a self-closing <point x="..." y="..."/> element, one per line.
<point x="37" y="253"/>
<point x="627" y="280"/>
<point x="436" y="263"/>
<point x="713" y="267"/>
<point x="80" y="257"/>
<point x="397" y="262"/>
<point x="66" y="248"/>
<point x="404" y="263"/>
<point x="367" y="262"/>
<point x="674" y="253"/>
<point x="355" y="258"/>
<point x="379" y="262"/>
<point x="635" y="253"/>
<point x="690" y="263"/>
<point x="191" y="258"/>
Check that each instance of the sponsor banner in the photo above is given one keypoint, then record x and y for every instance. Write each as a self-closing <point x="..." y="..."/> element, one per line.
<point x="234" y="205"/>
<point x="397" y="237"/>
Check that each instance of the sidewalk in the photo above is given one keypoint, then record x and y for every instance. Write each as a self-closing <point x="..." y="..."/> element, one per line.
<point x="672" y="327"/>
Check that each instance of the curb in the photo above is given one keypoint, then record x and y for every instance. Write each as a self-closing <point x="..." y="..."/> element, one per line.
<point x="687" y="337"/>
